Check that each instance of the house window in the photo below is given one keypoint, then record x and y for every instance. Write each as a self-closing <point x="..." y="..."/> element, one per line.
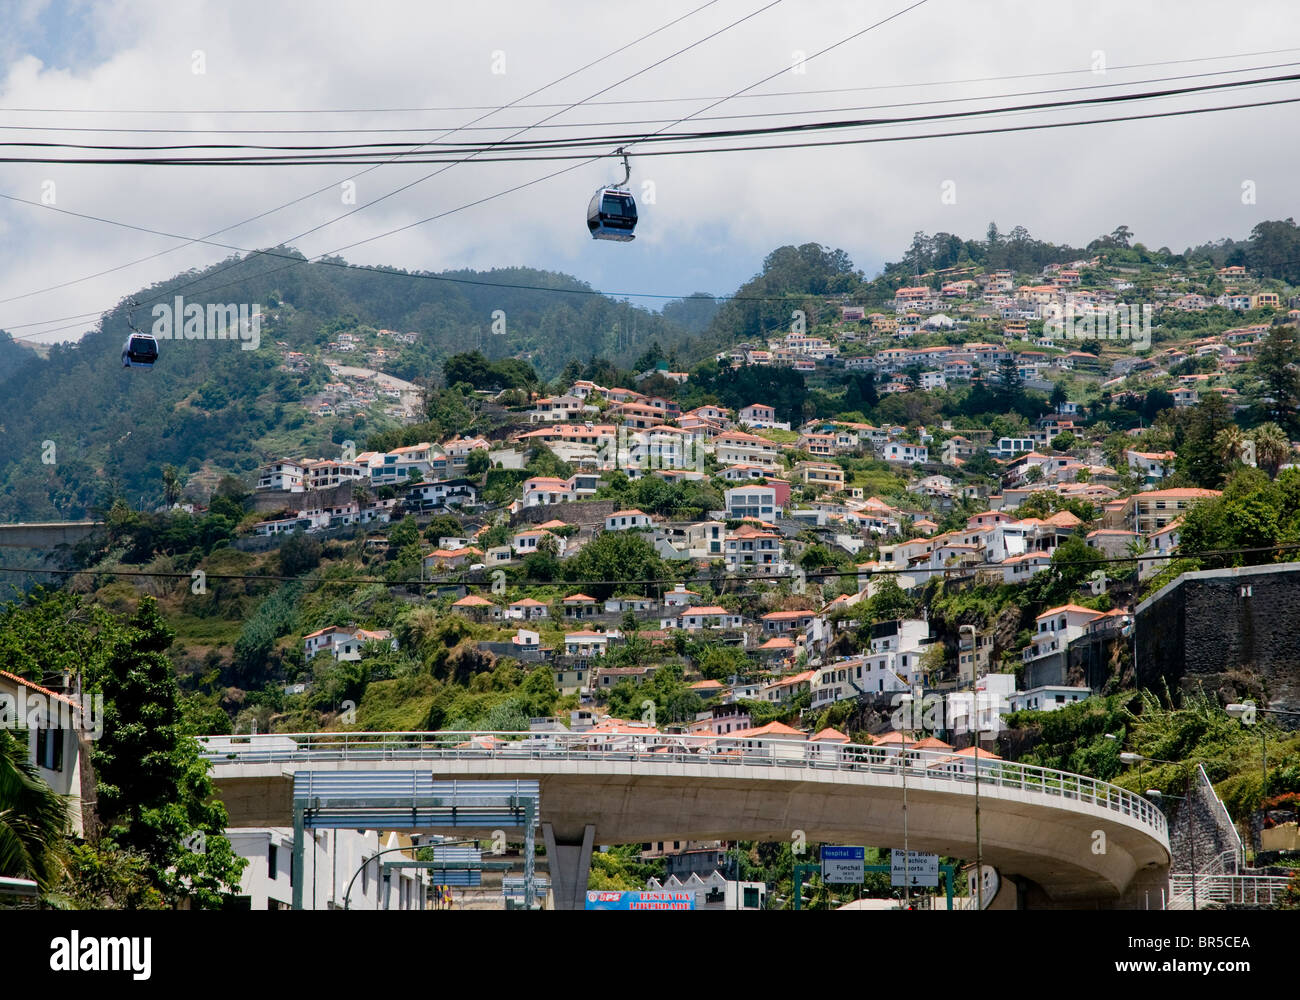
<point x="272" y="860"/>
<point x="49" y="749"/>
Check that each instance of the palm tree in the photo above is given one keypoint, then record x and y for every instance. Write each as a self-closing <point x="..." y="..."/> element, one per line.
<point x="1272" y="447"/>
<point x="1228" y="443"/>
<point x="33" y="816"/>
<point x="172" y="485"/>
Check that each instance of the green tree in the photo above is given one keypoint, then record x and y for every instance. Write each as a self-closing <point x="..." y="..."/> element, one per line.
<point x="172" y="485"/>
<point x="889" y="602"/>
<point x="615" y="557"/>
<point x="1272" y="447"/>
<point x="299" y="554"/>
<point x="153" y="789"/>
<point x="1252" y="513"/>
<point x="1008" y="386"/>
<point x="405" y="532"/>
<point x="1201" y="456"/>
<point x="478" y="462"/>
<point x="1277" y="374"/>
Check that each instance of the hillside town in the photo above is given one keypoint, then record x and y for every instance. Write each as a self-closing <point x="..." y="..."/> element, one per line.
<point x="800" y="530"/>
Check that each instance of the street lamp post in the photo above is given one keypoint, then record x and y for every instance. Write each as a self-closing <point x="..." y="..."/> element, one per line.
<point x="415" y="845"/>
<point x="979" y="844"/>
<point x="906" y="700"/>
<point x="975" y="730"/>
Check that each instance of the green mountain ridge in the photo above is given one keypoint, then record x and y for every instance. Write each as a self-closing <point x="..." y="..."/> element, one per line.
<point x="211" y="405"/>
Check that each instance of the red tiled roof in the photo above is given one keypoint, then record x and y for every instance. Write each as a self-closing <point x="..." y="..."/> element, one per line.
<point x="37" y="687"/>
<point x="771" y="729"/>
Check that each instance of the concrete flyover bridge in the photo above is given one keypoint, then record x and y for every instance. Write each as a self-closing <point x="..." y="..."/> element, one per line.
<point x="1058" y="840"/>
<point x="46" y="535"/>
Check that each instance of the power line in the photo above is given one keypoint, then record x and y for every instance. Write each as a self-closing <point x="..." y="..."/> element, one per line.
<point x="651" y="100"/>
<point x="261" y="215"/>
<point x="295" y="261"/>
<point x="572" y="125"/>
<point x="515" y="188"/>
<point x="798" y="145"/>
<point x="458" y="150"/>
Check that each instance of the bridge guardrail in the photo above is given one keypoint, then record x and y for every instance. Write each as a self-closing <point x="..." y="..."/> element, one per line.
<point x="628" y="745"/>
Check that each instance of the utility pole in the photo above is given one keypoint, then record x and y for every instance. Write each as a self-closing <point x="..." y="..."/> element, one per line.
<point x="906" y="700"/>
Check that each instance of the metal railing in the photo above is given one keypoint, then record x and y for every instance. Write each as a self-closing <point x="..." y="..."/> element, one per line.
<point x="1255" y="890"/>
<point x="627" y="744"/>
<point x="1225" y="821"/>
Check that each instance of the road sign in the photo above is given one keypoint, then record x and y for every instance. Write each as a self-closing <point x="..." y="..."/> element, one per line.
<point x="919" y="871"/>
<point x="843" y="864"/>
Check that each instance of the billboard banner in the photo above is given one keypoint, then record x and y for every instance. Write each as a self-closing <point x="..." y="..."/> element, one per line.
<point x="650" y="900"/>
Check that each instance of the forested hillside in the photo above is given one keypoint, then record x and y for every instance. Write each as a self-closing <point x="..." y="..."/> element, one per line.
<point x="210" y="406"/>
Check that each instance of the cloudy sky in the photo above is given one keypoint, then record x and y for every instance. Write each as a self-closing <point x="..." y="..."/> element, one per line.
<point x="83" y="65"/>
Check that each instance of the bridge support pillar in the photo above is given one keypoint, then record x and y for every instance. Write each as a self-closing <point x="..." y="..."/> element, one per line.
<point x="570" y="863"/>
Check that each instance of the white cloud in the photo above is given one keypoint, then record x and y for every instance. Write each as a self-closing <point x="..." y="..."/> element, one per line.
<point x="1175" y="182"/>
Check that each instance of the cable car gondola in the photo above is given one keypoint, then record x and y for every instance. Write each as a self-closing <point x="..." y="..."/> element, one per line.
<point x="140" y="349"/>
<point x="612" y="212"/>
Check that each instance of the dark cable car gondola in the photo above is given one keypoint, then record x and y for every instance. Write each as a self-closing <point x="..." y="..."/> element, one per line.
<point x="612" y="212"/>
<point x="140" y="349"/>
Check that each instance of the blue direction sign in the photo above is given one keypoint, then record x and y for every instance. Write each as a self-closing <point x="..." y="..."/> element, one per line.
<point x="844" y="865"/>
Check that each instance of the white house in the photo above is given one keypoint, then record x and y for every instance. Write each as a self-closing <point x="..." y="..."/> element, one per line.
<point x="758" y="415"/>
<point x="624" y="520"/>
<point x="283" y="475"/>
<point x="51" y="724"/>
<point x="328" y="864"/>
<point x="738" y="448"/>
<point x="1153" y="466"/>
<point x="679" y="596"/>
<point x="1009" y="447"/>
<point x="705" y="617"/>
<point x="344" y="643"/>
<point x="751" y="501"/>
<point x="586" y="643"/>
<point x="1056" y="628"/>
<point x="528" y="541"/>
<point x="1047" y="698"/>
<point x="749" y="547"/>
<point x="901" y="451"/>
<point x="1162" y="543"/>
<point x="528" y="609"/>
<point x="542" y="490"/>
